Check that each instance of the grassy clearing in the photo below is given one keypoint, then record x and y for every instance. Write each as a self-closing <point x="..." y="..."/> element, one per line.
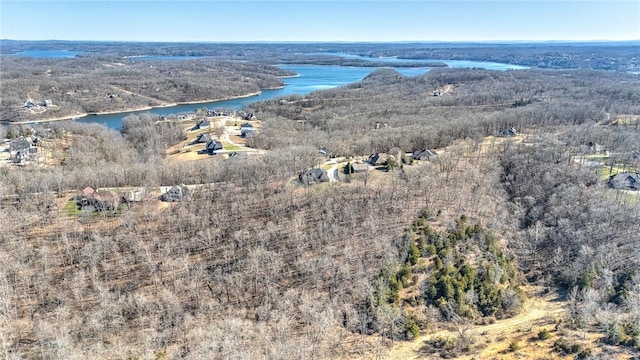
<point x="606" y="171"/>
<point x="230" y="147"/>
<point x="327" y="166"/>
<point x="70" y="209"/>
<point x="602" y="157"/>
<point x="624" y="196"/>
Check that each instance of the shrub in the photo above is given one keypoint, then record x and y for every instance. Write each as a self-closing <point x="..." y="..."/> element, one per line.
<point x="411" y="329"/>
<point x="443" y="343"/>
<point x="544" y="334"/>
<point x="615" y="334"/>
<point x="414" y="254"/>
<point x="565" y="347"/>
<point x="584" y="354"/>
<point x="514" y="346"/>
<point x="429" y="250"/>
<point x="404" y="275"/>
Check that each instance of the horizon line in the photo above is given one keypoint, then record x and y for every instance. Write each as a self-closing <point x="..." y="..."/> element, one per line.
<point x="331" y="41"/>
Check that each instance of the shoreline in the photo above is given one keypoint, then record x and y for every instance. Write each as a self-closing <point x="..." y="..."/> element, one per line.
<point x="146" y="108"/>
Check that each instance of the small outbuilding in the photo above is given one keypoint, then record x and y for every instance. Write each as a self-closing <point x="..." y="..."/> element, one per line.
<point x="236" y="154"/>
<point x="130" y="196"/>
<point x="246" y="127"/>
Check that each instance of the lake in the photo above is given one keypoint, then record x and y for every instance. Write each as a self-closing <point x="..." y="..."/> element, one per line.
<point x="311" y="78"/>
<point x="489" y="65"/>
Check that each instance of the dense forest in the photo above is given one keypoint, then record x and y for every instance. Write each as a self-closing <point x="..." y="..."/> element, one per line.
<point x="256" y="265"/>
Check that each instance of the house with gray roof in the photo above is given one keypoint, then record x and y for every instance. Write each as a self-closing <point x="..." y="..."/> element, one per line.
<point x="213" y="146"/>
<point x="424" y="154"/>
<point x="202" y="139"/>
<point x="312" y="176"/>
<point x="625" y="181"/>
<point x="377" y="159"/>
<point x="176" y="193"/>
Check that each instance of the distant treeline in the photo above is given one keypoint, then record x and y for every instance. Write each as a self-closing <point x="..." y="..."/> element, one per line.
<point x="581" y="55"/>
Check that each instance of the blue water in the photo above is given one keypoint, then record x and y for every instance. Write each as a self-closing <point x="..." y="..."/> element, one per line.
<point x="489" y="65"/>
<point x="48" y="54"/>
<point x="311" y="78"/>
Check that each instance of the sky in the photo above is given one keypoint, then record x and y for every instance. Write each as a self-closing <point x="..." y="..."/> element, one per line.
<point x="306" y="20"/>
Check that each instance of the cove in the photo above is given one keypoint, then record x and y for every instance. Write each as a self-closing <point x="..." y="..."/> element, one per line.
<point x="310" y="78"/>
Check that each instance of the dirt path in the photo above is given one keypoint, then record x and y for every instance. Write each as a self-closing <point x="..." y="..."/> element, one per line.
<point x="332" y="172"/>
<point x="225" y="136"/>
<point x="540" y="311"/>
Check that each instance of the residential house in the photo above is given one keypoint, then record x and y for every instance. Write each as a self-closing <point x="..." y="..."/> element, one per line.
<point x="377" y="159"/>
<point x="29" y="103"/>
<point x="354" y="168"/>
<point x="21" y="143"/>
<point x="202" y="124"/>
<point x="213" y="146"/>
<point x="508" y="133"/>
<point x="625" y="181"/>
<point x="311" y="176"/>
<point x="326" y="152"/>
<point x="101" y="200"/>
<point x="246" y="127"/>
<point x="424" y="154"/>
<point x="202" y="139"/>
<point x="176" y="193"/>
<point x="21" y="151"/>
<point x="596" y="148"/>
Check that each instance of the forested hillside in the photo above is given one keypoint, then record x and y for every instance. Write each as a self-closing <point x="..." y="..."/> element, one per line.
<point x="256" y="265"/>
<point x="104" y="84"/>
